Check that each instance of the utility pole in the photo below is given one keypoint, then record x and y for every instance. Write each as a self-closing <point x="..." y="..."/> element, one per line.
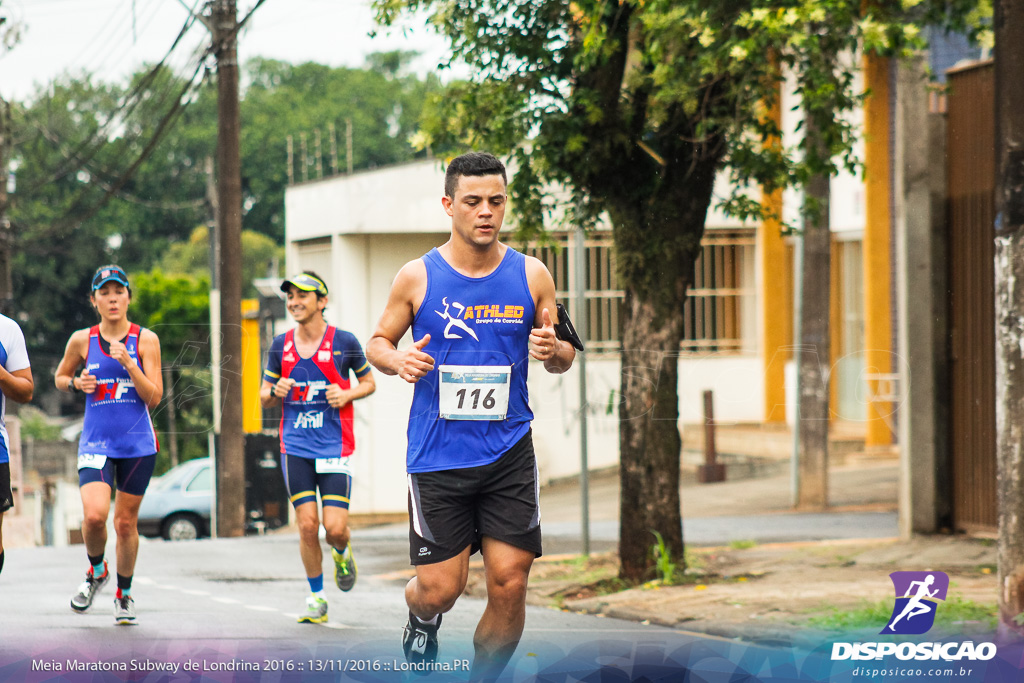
<point x="230" y="462"/>
<point x="1009" y="286"/>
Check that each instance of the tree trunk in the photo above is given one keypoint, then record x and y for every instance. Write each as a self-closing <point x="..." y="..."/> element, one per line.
<point x="1009" y="285"/>
<point x="649" y="441"/>
<point x="812" y="373"/>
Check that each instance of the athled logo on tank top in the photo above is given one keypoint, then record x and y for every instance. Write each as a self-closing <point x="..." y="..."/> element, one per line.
<point x="482" y="314"/>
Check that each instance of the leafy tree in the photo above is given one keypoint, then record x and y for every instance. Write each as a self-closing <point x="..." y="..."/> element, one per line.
<point x="382" y="102"/>
<point x="35" y="425"/>
<point x="76" y="138"/>
<point x="177" y="308"/>
<point x="261" y="257"/>
<point x="635" y="106"/>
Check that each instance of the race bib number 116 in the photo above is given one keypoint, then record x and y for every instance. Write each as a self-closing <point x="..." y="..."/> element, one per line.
<point x="474" y="392"/>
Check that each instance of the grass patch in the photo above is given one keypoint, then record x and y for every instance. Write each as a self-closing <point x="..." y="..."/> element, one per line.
<point x="954" y="612"/>
<point x="598" y="574"/>
<point x="742" y="545"/>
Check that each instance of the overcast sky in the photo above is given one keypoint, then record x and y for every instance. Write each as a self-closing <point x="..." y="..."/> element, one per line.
<point x="113" y="38"/>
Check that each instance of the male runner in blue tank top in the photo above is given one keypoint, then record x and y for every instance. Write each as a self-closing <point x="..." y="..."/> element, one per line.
<point x="479" y="310"/>
<point x="122" y="381"/>
<point x="307" y="370"/>
<point x="15" y="383"/>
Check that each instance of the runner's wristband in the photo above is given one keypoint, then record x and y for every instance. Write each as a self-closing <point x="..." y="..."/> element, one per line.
<point x="71" y="385"/>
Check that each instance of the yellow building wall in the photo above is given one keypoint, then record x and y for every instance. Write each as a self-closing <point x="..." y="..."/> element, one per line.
<point x="252" y="370"/>
<point x="775" y="294"/>
<point x="877" y="242"/>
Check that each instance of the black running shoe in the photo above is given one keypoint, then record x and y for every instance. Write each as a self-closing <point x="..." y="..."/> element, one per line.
<point x="420" y="641"/>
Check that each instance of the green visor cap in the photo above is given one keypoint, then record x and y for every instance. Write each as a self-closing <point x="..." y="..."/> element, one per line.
<point x="306" y="283"/>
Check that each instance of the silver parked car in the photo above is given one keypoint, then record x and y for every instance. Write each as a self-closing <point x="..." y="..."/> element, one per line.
<point x="177" y="504"/>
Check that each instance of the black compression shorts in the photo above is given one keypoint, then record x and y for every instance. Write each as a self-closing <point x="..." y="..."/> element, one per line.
<point x="6" y="495"/>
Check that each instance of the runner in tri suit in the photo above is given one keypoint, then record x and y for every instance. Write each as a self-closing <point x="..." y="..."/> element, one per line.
<point x="307" y="370"/>
<point x="479" y="310"/>
<point x="122" y="381"/>
<point x="16" y="384"/>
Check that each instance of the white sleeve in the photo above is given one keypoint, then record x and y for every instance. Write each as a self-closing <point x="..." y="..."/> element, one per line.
<point x="13" y="342"/>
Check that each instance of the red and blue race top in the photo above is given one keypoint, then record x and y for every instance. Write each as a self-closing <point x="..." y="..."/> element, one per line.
<point x="117" y="422"/>
<point x="310" y="428"/>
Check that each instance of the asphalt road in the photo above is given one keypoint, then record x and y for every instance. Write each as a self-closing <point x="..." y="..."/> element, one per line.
<point x="227" y="610"/>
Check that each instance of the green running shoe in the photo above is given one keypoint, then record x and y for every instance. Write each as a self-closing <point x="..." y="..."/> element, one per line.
<point x="316" y="611"/>
<point x="344" y="568"/>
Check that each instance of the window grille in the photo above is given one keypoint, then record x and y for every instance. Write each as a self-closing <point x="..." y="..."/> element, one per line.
<point x="718" y="307"/>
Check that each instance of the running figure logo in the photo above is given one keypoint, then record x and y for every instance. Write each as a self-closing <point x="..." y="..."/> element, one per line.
<point x="917" y="596"/>
<point x="454" y="322"/>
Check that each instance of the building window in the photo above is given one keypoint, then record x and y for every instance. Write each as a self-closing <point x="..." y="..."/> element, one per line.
<point x="719" y="314"/>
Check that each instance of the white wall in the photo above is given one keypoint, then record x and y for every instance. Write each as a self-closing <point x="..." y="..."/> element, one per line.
<point x="368" y="265"/>
<point x="737" y="384"/>
<point x="373" y="232"/>
<point x="847" y="196"/>
<point x="396" y="199"/>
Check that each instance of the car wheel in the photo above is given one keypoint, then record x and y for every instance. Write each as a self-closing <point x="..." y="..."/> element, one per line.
<point x="181" y="527"/>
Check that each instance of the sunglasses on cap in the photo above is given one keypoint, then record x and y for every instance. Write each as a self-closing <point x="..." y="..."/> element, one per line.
<point x="305" y="283"/>
<point x="109" y="274"/>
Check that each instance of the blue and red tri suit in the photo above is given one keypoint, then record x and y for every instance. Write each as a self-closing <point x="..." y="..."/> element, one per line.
<point x="310" y="428"/>
<point x="117" y="422"/>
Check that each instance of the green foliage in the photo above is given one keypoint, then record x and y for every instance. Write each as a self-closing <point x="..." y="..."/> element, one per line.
<point x="75" y="138"/>
<point x="634" y="107"/>
<point x="35" y="425"/>
<point x="663" y="563"/>
<point x="261" y="257"/>
<point x="742" y="545"/>
<point x="382" y="102"/>
<point x="193" y="402"/>
<point x="622" y="101"/>
<point x="954" y="613"/>
<point x="177" y="309"/>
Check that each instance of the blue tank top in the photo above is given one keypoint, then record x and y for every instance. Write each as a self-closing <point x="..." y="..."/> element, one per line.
<point x="310" y="427"/>
<point x="479" y="338"/>
<point x="117" y="422"/>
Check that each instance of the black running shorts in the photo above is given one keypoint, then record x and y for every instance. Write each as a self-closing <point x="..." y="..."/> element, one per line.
<point x="452" y="509"/>
<point x="6" y="495"/>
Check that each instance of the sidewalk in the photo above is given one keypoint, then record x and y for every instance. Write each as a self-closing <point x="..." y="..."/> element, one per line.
<point x="747" y="584"/>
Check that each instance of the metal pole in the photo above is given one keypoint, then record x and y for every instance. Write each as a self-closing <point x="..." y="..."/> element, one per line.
<point x="581" y="360"/>
<point x="214" y="237"/>
<point x="798" y="311"/>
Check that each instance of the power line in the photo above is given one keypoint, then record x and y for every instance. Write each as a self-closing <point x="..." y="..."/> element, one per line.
<point x="78" y="213"/>
<point x="128" y="104"/>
